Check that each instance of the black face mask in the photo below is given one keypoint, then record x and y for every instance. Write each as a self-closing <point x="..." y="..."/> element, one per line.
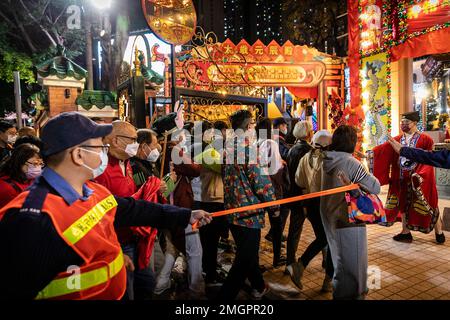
<point x="405" y="128"/>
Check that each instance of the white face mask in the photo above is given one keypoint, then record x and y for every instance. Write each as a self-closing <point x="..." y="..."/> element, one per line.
<point x="283" y="131"/>
<point x="102" y="167"/>
<point x="12" y="138"/>
<point x="132" y="149"/>
<point x="153" y="155"/>
<point x="33" y="171"/>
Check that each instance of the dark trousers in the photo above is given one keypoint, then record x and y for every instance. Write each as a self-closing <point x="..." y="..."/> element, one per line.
<point x="140" y="283"/>
<point x="295" y="230"/>
<point x="245" y="265"/>
<point x="329" y="269"/>
<point x="209" y="236"/>
<point x="276" y="231"/>
<point x="284" y="214"/>
<point x="277" y="225"/>
<point x="320" y="242"/>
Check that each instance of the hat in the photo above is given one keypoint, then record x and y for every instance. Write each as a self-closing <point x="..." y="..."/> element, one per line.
<point x="321" y="139"/>
<point x="278" y="121"/>
<point x="413" y="116"/>
<point x="165" y="124"/>
<point x="69" y="129"/>
<point x="168" y="124"/>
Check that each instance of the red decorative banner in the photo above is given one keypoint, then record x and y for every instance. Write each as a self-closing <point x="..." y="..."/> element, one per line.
<point x="258" y="65"/>
<point x="428" y="13"/>
<point x="306" y="74"/>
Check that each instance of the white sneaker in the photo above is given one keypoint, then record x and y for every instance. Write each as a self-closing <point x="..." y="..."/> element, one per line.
<point x="161" y="286"/>
<point x="288" y="270"/>
<point x="256" y="295"/>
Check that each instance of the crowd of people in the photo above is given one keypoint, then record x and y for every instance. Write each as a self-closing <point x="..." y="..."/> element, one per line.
<point x="99" y="196"/>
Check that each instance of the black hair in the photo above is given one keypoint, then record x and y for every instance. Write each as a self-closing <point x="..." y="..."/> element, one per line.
<point x="240" y="119"/>
<point x="221" y="125"/>
<point x="344" y="139"/>
<point x="12" y="167"/>
<point x="5" y="125"/>
<point x="145" y="136"/>
<point x="29" y="139"/>
<point x="264" y="124"/>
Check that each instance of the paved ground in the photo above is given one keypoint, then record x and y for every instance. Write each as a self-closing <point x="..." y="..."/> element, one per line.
<point x="419" y="271"/>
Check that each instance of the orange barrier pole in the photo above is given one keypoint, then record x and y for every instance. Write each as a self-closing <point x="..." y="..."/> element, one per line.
<point x="283" y="201"/>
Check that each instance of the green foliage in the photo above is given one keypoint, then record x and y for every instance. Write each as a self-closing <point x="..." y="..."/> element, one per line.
<point x="11" y="61"/>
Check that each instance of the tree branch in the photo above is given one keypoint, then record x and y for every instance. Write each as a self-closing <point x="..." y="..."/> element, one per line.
<point x="45" y="8"/>
<point x="7" y="20"/>
<point x="29" y="12"/>
<point x="60" y="15"/>
<point x="14" y="35"/>
<point x="39" y="24"/>
<point x="24" y="33"/>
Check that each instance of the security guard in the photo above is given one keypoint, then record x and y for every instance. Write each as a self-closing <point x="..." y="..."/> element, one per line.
<point x="57" y="240"/>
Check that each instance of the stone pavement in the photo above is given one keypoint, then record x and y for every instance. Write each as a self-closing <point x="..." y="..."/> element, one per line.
<point x="398" y="271"/>
<point x="419" y="270"/>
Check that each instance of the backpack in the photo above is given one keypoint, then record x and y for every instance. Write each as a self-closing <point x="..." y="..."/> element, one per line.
<point x="309" y="171"/>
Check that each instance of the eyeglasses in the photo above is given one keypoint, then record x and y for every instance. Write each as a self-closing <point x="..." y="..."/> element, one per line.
<point x="405" y="122"/>
<point x="35" y="163"/>
<point x="105" y="147"/>
<point x="134" y="139"/>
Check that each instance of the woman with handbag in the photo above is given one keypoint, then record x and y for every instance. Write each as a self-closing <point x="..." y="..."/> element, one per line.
<point x="308" y="178"/>
<point x="347" y="239"/>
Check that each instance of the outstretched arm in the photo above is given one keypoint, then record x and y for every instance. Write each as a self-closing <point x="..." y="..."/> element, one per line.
<point x="440" y="159"/>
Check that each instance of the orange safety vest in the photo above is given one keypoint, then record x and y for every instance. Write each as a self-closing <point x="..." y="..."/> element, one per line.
<point x="87" y="227"/>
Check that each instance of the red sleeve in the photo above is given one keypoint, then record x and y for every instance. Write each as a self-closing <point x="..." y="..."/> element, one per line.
<point x="383" y="157"/>
<point x="425" y="142"/>
<point x="7" y="193"/>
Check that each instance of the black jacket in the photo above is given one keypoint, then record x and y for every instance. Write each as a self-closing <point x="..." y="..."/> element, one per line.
<point x="293" y="158"/>
<point x="284" y="147"/>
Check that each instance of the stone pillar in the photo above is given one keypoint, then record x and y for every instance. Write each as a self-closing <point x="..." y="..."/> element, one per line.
<point x="401" y="91"/>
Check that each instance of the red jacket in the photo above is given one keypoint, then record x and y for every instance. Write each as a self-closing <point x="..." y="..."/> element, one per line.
<point x="11" y="189"/>
<point x="113" y="179"/>
<point x="149" y="192"/>
<point x="121" y="186"/>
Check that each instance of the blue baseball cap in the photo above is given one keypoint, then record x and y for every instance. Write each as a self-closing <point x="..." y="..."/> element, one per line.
<point x="69" y="129"/>
<point x="278" y="122"/>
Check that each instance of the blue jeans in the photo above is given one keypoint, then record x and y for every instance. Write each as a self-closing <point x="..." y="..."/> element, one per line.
<point x="140" y="283"/>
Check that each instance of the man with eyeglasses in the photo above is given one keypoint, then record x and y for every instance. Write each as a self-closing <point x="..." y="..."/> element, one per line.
<point x="59" y="238"/>
<point x="412" y="195"/>
<point x="118" y="179"/>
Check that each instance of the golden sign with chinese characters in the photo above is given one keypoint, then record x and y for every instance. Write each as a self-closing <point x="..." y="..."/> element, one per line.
<point x="306" y="74"/>
<point x="174" y="21"/>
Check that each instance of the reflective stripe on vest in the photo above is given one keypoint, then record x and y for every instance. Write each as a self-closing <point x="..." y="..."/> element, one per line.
<point x="89" y="279"/>
<point x="88" y="221"/>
